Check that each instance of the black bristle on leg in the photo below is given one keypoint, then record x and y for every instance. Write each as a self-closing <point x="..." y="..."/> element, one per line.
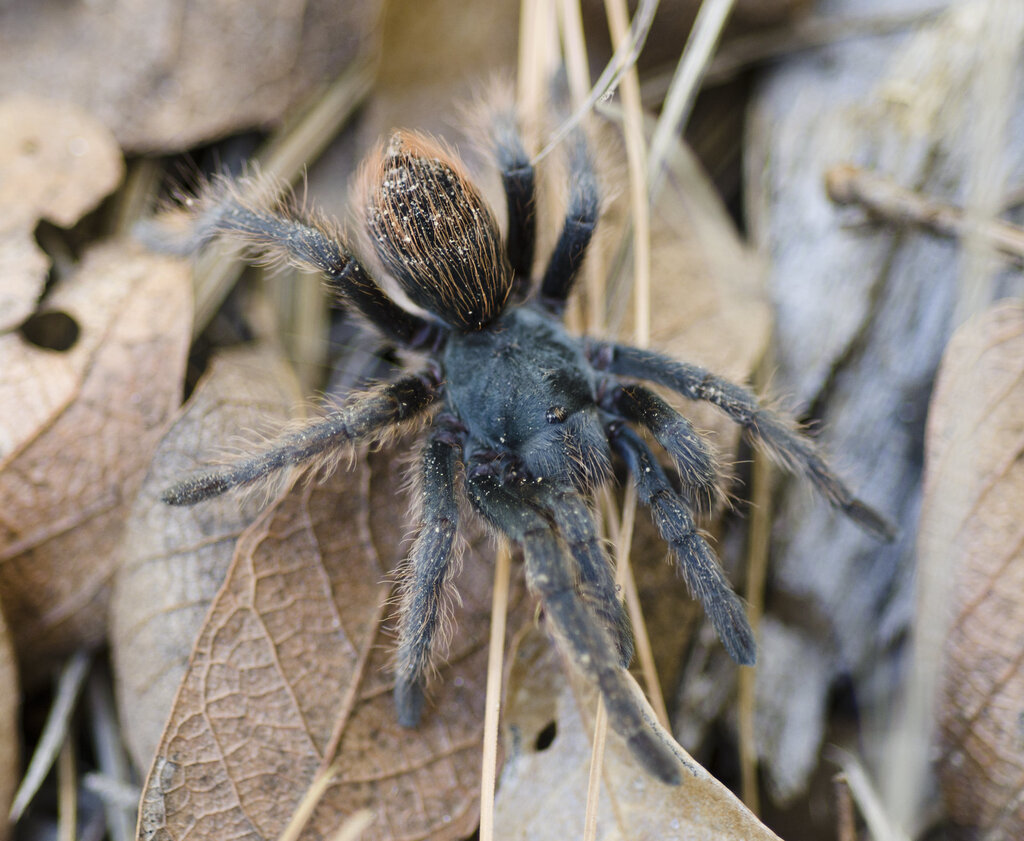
<point x="696" y="464"/>
<point x="359" y="418"/>
<point x="519" y="182"/>
<point x="548" y="574"/>
<point x="426" y="573"/>
<point x="766" y="430"/>
<point x="696" y="562"/>
<point x="596" y="583"/>
<point x="580" y="221"/>
<point x="304" y="239"/>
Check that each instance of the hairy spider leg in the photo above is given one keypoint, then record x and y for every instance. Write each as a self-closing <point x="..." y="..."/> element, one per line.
<point x="306" y="240"/>
<point x="787" y="446"/>
<point x="596" y="583"/>
<point x="694" y="460"/>
<point x="549" y="576"/>
<point x="696" y="562"/>
<point x="581" y="217"/>
<point x="519" y="182"/>
<point x="360" y="417"/>
<point x="426" y="573"/>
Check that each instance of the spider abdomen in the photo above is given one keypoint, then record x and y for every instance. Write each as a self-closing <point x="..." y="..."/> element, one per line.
<point x="435" y="234"/>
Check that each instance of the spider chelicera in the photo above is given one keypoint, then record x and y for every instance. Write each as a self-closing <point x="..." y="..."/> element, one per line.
<point x="525" y="416"/>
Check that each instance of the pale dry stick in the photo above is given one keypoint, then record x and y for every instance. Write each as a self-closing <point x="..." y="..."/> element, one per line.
<point x="530" y="80"/>
<point x="283" y="156"/>
<point x="325" y="777"/>
<point x="764" y="45"/>
<point x="495" y="657"/>
<point x="623" y="60"/>
<point x="55" y="731"/>
<point x="136" y="198"/>
<point x="110" y="755"/>
<point x="682" y="91"/>
<point x="618" y="25"/>
<point x="757" y="571"/>
<point x="846" y="824"/>
<point x="67" y="793"/>
<point x="865" y="796"/>
<point x="886" y="200"/>
<point x="636" y="159"/>
<point x="596" y="766"/>
<point x="310" y="799"/>
<point x="574" y="47"/>
<point x="355" y="825"/>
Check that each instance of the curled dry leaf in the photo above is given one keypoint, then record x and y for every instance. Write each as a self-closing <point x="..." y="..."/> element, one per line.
<point x="174" y="560"/>
<point x="10" y="766"/>
<point x="164" y="76"/>
<point x="971" y="517"/>
<point x="293" y="659"/>
<point x="543" y="789"/>
<point x="98" y="410"/>
<point x="56" y="163"/>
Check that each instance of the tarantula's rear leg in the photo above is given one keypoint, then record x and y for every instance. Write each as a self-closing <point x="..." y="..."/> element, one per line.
<point x="427" y="571"/>
<point x="697" y="562"/>
<point x="550" y="577"/>
<point x="766" y="429"/>
<point x="358" y="418"/>
<point x="574" y="521"/>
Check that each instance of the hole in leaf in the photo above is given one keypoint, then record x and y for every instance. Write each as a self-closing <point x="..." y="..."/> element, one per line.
<point x="546" y="736"/>
<point x="53" y="330"/>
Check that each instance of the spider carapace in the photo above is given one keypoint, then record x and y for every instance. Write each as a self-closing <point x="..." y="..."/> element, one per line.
<point x="522" y="417"/>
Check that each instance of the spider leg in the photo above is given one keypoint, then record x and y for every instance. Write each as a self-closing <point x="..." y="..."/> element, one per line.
<point x="517" y="177"/>
<point x="580" y="220"/>
<point x="550" y="576"/>
<point x="358" y="418"/>
<point x="794" y="451"/>
<point x="695" y="462"/>
<point x="280" y="229"/>
<point x="596" y="583"/>
<point x="696" y="561"/>
<point x="427" y="572"/>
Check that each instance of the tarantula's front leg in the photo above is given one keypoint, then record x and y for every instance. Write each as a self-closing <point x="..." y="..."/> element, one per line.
<point x="580" y="221"/>
<point x="766" y="429"/>
<point x="360" y="417"/>
<point x="697" y="562"/>
<point x="695" y="462"/>
<point x="427" y="571"/>
<point x="549" y="575"/>
<point x="517" y="177"/>
<point x="251" y="210"/>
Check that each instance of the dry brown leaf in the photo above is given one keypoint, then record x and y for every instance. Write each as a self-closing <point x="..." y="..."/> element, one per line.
<point x="975" y="491"/>
<point x="543" y="788"/>
<point x="292" y="651"/>
<point x="165" y="75"/>
<point x="10" y="703"/>
<point x="56" y="163"/>
<point x="174" y="560"/>
<point x="97" y="411"/>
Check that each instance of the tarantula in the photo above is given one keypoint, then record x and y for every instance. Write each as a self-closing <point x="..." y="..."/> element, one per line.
<point x="525" y="413"/>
